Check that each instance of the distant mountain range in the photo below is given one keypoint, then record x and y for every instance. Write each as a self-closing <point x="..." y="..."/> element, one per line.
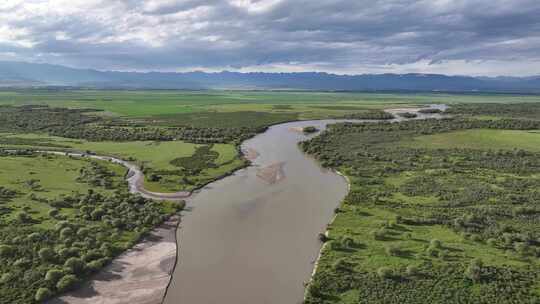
<point x="19" y="74"/>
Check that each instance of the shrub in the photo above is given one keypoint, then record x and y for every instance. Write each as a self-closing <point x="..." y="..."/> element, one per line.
<point x="341" y="264"/>
<point x="323" y="238"/>
<point x="521" y="248"/>
<point x="34" y="237"/>
<point x="6" y="251"/>
<point x="54" y="275"/>
<point x="94" y="265"/>
<point x="443" y="254"/>
<point x="6" y="277"/>
<point x="393" y="250"/>
<point x="53" y="213"/>
<point x="22" y="262"/>
<point x="66" y="282"/>
<point x="24" y="217"/>
<point x="83" y="232"/>
<point x="310" y="129"/>
<point x="432" y="251"/>
<point x="46" y="254"/>
<point x="385" y="273"/>
<point x="347" y="242"/>
<point x="66" y="233"/>
<point x="379" y="234"/>
<point x="75" y="265"/>
<point x="43" y="294"/>
<point x="435" y="243"/>
<point x="411" y="270"/>
<point x="474" y="270"/>
<point x="476" y="238"/>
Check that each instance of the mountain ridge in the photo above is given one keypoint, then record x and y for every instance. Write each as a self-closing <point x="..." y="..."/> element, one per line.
<point x="23" y="74"/>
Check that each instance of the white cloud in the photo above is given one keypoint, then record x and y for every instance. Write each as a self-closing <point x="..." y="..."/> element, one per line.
<point x="490" y="37"/>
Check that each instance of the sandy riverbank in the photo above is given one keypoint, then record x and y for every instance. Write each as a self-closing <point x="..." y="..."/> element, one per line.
<point x="138" y="276"/>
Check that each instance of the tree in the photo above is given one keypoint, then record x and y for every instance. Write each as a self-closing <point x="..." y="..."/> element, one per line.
<point x="66" y="233"/>
<point x="474" y="270"/>
<point x="46" y="254"/>
<point x="53" y="213"/>
<point x="66" y="282"/>
<point x="6" y="251"/>
<point x="54" y="275"/>
<point x="75" y="265"/>
<point x="393" y="250"/>
<point x="521" y="248"/>
<point x="411" y="270"/>
<point x="43" y="294"/>
<point x="435" y="243"/>
<point x="385" y="273"/>
<point x="24" y="217"/>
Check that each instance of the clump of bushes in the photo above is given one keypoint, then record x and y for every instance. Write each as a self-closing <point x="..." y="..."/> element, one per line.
<point x="309" y="129"/>
<point x="385" y="273"/>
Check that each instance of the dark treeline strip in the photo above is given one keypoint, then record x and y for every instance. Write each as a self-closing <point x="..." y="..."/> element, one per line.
<point x="79" y="124"/>
<point x="517" y="110"/>
<point x="371" y="115"/>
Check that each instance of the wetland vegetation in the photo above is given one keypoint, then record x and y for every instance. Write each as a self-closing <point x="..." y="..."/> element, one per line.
<point x="445" y="210"/>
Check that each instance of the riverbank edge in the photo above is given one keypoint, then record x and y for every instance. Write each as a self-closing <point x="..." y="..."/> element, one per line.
<point x="326" y="233"/>
<point x="140" y="250"/>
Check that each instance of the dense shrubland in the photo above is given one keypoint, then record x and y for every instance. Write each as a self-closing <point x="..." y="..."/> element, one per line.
<point x="37" y="262"/>
<point x="51" y="239"/>
<point x="515" y="110"/>
<point x="373" y="114"/>
<point x="76" y="123"/>
<point x="430" y="225"/>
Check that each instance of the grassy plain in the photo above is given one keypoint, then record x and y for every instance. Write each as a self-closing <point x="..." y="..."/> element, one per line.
<point x="171" y="105"/>
<point x="52" y="176"/>
<point x="480" y="139"/>
<point x="152" y="156"/>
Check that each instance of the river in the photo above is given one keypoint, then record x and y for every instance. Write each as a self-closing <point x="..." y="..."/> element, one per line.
<point x="252" y="237"/>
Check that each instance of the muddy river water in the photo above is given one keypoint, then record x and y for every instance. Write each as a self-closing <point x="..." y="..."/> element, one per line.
<point x="252" y="237"/>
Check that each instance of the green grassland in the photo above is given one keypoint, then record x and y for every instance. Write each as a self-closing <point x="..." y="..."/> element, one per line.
<point x="172" y="106"/>
<point x="449" y="217"/>
<point x="52" y="176"/>
<point x="154" y="157"/>
<point x="62" y="219"/>
<point x="480" y="139"/>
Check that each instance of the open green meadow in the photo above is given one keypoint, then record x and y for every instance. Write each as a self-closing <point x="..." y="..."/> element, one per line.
<point x="48" y="177"/>
<point x="172" y="106"/>
<point x="155" y="157"/>
<point x="483" y="139"/>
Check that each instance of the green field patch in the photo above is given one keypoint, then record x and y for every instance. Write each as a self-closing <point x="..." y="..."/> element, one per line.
<point x="154" y="157"/>
<point x="240" y="119"/>
<point x="480" y="139"/>
<point x="48" y="177"/>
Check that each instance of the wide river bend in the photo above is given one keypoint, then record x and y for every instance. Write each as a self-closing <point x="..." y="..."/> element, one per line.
<point x="252" y="237"/>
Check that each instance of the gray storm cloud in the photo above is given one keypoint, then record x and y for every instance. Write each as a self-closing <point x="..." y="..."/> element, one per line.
<point x="495" y="37"/>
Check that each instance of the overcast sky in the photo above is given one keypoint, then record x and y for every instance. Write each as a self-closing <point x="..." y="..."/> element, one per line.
<point x="467" y="37"/>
